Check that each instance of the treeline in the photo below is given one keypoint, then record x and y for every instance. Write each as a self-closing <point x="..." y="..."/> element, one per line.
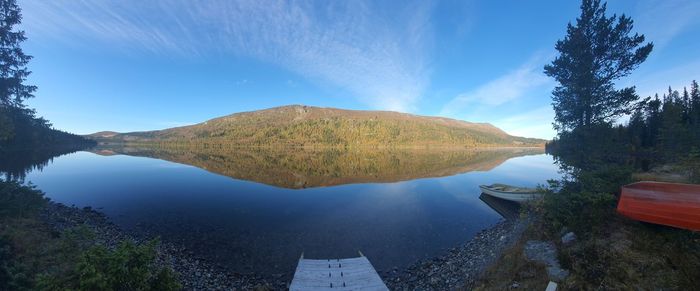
<point x="661" y="131"/>
<point x="667" y="129"/>
<point x="21" y="130"/>
<point x="352" y="132"/>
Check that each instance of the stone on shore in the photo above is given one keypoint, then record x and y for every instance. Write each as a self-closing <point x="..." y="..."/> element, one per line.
<point x="546" y="253"/>
<point x="568" y="238"/>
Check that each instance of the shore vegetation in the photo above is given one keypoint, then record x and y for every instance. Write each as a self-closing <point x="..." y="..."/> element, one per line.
<point x="598" y="155"/>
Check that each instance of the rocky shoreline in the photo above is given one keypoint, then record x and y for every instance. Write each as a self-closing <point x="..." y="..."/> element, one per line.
<point x="460" y="267"/>
<point x="193" y="272"/>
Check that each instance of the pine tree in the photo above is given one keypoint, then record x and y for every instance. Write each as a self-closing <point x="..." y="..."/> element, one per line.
<point x="685" y="99"/>
<point x="596" y="51"/>
<point x="695" y="103"/>
<point x="13" y="61"/>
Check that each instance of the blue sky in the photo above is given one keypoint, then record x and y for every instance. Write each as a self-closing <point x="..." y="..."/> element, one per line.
<point x="140" y="65"/>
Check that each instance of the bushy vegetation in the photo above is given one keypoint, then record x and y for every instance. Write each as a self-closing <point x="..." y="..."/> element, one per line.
<point x="127" y="267"/>
<point x="582" y="212"/>
<point x="34" y="257"/>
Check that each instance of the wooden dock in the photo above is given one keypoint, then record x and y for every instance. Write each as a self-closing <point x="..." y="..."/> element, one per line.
<point x="336" y="274"/>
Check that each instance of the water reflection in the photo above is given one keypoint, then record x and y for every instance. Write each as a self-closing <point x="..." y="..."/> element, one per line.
<point x="395" y="206"/>
<point x="15" y="164"/>
<point x="507" y="209"/>
<point x="298" y="168"/>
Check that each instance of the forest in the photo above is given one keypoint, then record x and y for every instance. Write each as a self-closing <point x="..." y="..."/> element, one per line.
<point x="661" y="132"/>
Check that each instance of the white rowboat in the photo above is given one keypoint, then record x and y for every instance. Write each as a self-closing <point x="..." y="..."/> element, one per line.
<point x="510" y="193"/>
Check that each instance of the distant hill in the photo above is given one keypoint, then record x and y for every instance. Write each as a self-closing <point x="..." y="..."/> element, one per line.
<point x="103" y="134"/>
<point x="298" y="125"/>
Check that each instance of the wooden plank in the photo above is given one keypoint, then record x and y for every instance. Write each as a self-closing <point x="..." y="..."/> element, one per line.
<point x="336" y="274"/>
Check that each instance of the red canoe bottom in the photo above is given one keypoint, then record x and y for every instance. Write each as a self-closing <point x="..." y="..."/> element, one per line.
<point x="671" y="204"/>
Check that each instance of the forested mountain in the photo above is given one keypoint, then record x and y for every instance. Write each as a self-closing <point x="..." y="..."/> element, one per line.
<point x="298" y="125"/>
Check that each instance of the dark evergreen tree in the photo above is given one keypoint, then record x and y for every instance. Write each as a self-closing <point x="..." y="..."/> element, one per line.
<point x="694" y="103"/>
<point x="20" y="129"/>
<point x="685" y="98"/>
<point x="13" y="61"/>
<point x="596" y="51"/>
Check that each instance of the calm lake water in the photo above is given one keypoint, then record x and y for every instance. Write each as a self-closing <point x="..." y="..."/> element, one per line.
<point x="258" y="210"/>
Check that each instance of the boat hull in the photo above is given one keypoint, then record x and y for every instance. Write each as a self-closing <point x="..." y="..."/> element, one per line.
<point x="670" y="204"/>
<point x="510" y="196"/>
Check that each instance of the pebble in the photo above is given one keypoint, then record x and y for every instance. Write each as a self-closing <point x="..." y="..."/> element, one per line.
<point x="545" y="252"/>
<point x="460" y="267"/>
<point x="193" y="273"/>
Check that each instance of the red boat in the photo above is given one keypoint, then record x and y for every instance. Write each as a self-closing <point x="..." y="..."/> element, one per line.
<point x="671" y="204"/>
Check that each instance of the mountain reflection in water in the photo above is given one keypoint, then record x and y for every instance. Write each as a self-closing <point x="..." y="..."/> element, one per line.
<point x="255" y="210"/>
<point x="298" y="168"/>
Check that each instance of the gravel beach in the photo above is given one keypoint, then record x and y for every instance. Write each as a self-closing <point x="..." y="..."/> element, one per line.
<point x="193" y="272"/>
<point x="460" y="267"/>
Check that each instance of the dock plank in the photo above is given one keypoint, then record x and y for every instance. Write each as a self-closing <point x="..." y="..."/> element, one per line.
<point x="336" y="274"/>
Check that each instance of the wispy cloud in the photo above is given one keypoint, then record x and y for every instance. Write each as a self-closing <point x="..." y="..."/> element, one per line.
<point x="533" y="123"/>
<point x="506" y="88"/>
<point x="379" y="55"/>
<point x="661" y="20"/>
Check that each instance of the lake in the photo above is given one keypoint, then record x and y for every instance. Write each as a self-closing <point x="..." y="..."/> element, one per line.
<point x="257" y="210"/>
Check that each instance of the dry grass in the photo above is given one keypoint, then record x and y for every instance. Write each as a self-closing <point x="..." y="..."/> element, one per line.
<point x="628" y="255"/>
<point x="672" y="173"/>
<point x="661" y="177"/>
<point x="513" y="269"/>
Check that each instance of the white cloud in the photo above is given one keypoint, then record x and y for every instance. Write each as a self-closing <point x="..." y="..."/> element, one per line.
<point x="379" y="55"/>
<point x="495" y="101"/>
<point x="534" y="123"/>
<point x="503" y="89"/>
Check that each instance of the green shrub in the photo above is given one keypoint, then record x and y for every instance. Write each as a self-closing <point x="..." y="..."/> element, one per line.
<point x="127" y="267"/>
<point x="582" y="212"/>
<point x="13" y="275"/>
<point x="19" y="201"/>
